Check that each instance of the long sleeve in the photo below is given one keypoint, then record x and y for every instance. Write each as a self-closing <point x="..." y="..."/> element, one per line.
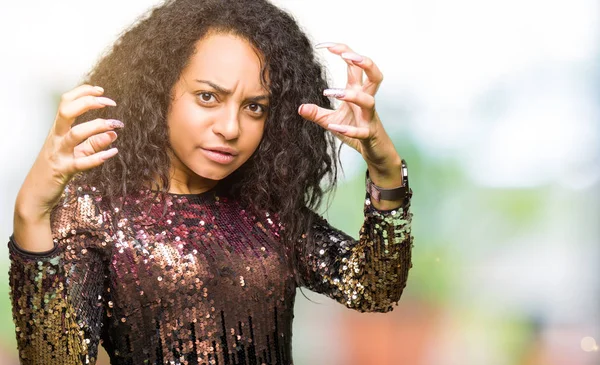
<point x="57" y="296"/>
<point x="368" y="274"/>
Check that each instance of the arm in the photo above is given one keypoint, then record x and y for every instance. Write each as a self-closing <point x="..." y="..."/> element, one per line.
<point x="368" y="274"/>
<point x="57" y="295"/>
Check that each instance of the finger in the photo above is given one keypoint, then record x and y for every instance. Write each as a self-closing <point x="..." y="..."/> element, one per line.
<point x="355" y="73"/>
<point x="374" y="75"/>
<point x="80" y="91"/>
<point x="350" y="131"/>
<point x="83" y="131"/>
<point x="95" y="144"/>
<point x="358" y="97"/>
<point x="69" y="110"/>
<point x="97" y="159"/>
<point x="314" y="113"/>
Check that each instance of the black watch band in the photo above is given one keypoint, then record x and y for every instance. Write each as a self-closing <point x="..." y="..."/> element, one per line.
<point x="398" y="193"/>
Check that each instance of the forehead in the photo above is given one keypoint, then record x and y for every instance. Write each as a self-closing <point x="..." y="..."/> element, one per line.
<point x="226" y="59"/>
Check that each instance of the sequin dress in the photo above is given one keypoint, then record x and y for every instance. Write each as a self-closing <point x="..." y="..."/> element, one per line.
<point x="205" y="283"/>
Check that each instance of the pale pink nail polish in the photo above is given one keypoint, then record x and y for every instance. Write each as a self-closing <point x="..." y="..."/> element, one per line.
<point x="336" y="93"/>
<point x="99" y="88"/>
<point x="113" y="123"/>
<point x="105" y="101"/>
<point x="351" y="56"/>
<point x="326" y="45"/>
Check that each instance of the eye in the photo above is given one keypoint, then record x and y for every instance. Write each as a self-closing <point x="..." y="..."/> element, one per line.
<point x="206" y="97"/>
<point x="257" y="108"/>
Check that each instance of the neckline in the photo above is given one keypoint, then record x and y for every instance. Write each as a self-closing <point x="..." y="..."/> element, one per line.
<point x="168" y="193"/>
<point x="207" y="192"/>
<point x="204" y="197"/>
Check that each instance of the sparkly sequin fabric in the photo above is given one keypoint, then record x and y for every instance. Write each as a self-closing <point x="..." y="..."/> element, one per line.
<point x="205" y="283"/>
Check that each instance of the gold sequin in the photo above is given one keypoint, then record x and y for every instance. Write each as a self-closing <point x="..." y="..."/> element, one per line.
<point x="206" y="282"/>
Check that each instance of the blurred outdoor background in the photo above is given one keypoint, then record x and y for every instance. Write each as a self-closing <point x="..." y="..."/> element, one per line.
<point x="495" y="104"/>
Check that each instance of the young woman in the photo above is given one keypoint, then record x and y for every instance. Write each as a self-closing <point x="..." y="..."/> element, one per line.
<point x="183" y="240"/>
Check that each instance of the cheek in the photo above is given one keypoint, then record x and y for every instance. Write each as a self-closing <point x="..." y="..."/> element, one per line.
<point x="184" y="122"/>
<point x="254" y="135"/>
<point x="177" y="134"/>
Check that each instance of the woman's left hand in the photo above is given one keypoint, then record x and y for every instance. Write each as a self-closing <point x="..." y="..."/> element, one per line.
<point x="355" y="122"/>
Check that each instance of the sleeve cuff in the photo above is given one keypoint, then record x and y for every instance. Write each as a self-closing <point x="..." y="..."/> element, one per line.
<point x="14" y="246"/>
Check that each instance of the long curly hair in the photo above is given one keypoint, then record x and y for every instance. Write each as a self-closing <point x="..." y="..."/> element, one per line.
<point x="296" y="162"/>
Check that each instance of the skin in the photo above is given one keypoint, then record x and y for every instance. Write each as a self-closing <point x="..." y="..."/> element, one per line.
<point x="356" y="123"/>
<point x="203" y="115"/>
<point x="228" y="107"/>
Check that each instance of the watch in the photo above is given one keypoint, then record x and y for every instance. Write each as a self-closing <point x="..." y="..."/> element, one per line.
<point x="398" y="193"/>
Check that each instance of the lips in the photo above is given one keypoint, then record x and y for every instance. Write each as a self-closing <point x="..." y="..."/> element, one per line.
<point x="221" y="155"/>
<point x="224" y="150"/>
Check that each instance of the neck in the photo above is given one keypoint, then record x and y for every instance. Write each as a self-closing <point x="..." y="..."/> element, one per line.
<point x="182" y="180"/>
<point x="183" y="187"/>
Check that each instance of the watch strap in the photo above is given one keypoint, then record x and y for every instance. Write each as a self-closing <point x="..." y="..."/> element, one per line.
<point x="398" y="193"/>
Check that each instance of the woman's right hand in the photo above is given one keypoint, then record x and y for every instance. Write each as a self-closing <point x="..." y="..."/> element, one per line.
<point x="67" y="150"/>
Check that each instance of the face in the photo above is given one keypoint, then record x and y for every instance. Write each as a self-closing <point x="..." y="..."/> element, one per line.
<point x="217" y="115"/>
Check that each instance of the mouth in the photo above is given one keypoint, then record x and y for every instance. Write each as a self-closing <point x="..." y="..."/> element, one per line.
<point x="220" y="155"/>
<point x="223" y="149"/>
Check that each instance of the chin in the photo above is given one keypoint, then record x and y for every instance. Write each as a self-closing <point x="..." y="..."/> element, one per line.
<point x="215" y="174"/>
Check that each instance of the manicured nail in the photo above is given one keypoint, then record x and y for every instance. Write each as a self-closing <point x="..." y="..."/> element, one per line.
<point x="300" y="108"/>
<point x="113" y="135"/>
<point x="113" y="123"/>
<point x="351" y="56"/>
<point x="337" y="128"/>
<point x="326" y="45"/>
<point x="105" y="155"/>
<point x="336" y="93"/>
<point x="99" y="88"/>
<point x="105" y="101"/>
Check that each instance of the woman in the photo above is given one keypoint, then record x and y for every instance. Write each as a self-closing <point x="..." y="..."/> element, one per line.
<point x="183" y="240"/>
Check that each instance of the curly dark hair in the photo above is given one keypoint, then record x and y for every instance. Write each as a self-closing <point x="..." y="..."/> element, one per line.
<point x="294" y="157"/>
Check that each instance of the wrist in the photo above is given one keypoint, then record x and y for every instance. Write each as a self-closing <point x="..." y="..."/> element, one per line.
<point x="389" y="193"/>
<point x="32" y="235"/>
<point x="387" y="174"/>
<point x="28" y="212"/>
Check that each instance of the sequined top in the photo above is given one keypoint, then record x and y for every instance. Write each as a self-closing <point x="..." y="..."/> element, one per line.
<point x="206" y="283"/>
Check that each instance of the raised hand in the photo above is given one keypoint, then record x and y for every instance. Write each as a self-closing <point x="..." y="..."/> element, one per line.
<point x="67" y="150"/>
<point x="355" y="122"/>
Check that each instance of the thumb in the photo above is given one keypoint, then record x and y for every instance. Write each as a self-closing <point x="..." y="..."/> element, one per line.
<point x="314" y="113"/>
<point x="95" y="144"/>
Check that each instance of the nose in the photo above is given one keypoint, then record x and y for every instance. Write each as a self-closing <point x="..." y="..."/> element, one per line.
<point x="227" y="124"/>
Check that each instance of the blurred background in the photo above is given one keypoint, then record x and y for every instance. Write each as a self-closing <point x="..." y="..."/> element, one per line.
<point x="495" y="106"/>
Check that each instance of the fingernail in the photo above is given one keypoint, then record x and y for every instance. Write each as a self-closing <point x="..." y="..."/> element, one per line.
<point x="105" y="101"/>
<point x="337" y="128"/>
<point x="351" y="56"/>
<point x="113" y="123"/>
<point x="113" y="135"/>
<point x="336" y="93"/>
<point x="300" y="108"/>
<point x="99" y="88"/>
<point x="105" y="155"/>
<point x="325" y="45"/>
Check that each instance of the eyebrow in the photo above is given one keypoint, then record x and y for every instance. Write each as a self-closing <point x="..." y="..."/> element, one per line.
<point x="225" y="91"/>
